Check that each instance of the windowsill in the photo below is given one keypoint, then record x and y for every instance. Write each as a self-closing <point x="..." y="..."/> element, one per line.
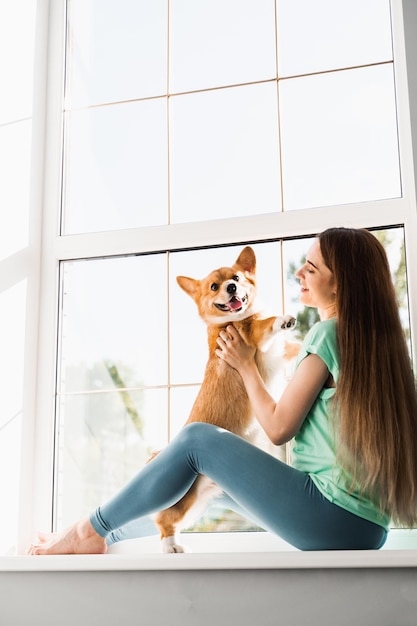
<point x="232" y="551"/>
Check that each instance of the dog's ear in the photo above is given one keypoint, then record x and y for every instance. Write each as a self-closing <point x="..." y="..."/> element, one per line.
<point x="189" y="285"/>
<point x="246" y="260"/>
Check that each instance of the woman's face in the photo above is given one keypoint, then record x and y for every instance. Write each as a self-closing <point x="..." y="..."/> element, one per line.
<point x="318" y="286"/>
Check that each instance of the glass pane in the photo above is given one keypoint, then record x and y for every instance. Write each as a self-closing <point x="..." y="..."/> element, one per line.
<point x="15" y="153"/>
<point x="216" y="43"/>
<point x="17" y="38"/>
<point x="105" y="438"/>
<point x="188" y="353"/>
<point x="394" y="244"/>
<point x="116" y="167"/>
<point x="339" y="138"/>
<point x="181" y="400"/>
<point x="117" y="50"/>
<point x="114" y="323"/>
<point x="330" y="34"/>
<point x="218" y="518"/>
<point x="225" y="153"/>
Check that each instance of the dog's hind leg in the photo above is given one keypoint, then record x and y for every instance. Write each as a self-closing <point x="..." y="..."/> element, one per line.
<point x="171" y="519"/>
<point x="185" y="512"/>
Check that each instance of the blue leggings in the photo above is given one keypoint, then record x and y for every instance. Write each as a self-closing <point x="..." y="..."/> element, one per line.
<point x="280" y="498"/>
<point x="146" y="527"/>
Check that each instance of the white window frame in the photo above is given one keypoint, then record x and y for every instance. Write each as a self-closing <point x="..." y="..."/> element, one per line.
<point x="38" y="441"/>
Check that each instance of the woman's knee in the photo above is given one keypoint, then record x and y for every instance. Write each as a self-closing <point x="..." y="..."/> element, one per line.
<point x="200" y="435"/>
<point x="196" y="432"/>
<point x="200" y="442"/>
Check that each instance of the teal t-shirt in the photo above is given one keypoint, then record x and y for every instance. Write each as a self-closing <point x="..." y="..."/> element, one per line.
<point x="313" y="448"/>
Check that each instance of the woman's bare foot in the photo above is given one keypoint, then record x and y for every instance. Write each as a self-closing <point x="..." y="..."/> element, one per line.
<point x="81" y="538"/>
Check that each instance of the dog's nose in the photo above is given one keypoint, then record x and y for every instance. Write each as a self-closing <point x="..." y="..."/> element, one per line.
<point x="231" y="288"/>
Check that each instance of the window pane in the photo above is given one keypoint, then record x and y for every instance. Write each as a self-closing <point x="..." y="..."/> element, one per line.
<point x="339" y="138"/>
<point x="216" y="43"/>
<point x="331" y="34"/>
<point x="114" y="323"/>
<point x="393" y="241"/>
<point x="116" y="170"/>
<point x="181" y="400"/>
<point x="117" y="50"/>
<point x="105" y="438"/>
<point x="113" y="347"/>
<point x="225" y="153"/>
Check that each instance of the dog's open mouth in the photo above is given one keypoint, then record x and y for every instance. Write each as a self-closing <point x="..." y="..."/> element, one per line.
<point x="235" y="304"/>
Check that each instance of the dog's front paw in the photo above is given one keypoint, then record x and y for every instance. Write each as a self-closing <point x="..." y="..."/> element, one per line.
<point x="284" y="322"/>
<point x="170" y="546"/>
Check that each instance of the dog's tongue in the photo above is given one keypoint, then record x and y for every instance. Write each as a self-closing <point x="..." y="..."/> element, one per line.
<point x="235" y="303"/>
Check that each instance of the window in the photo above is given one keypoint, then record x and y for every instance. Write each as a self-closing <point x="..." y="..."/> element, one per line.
<point x="173" y="138"/>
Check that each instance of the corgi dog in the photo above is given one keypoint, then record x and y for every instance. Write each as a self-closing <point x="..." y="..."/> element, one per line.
<point x="226" y="296"/>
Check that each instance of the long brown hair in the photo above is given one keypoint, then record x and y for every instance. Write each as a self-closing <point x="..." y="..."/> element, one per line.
<point x="376" y="394"/>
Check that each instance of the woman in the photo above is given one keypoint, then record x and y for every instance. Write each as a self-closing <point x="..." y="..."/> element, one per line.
<point x="350" y="411"/>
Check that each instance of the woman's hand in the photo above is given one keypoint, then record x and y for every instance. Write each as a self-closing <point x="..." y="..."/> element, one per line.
<point x="234" y="350"/>
<point x="280" y="419"/>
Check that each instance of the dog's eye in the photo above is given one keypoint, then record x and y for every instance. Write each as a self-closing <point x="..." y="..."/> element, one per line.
<point x="236" y="278"/>
<point x="214" y="287"/>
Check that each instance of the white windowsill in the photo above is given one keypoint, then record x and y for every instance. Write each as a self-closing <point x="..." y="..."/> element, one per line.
<point x="232" y="551"/>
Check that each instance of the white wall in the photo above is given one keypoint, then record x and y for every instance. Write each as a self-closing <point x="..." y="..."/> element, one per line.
<point x="385" y="597"/>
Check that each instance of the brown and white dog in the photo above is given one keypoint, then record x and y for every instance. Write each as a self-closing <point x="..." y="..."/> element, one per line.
<point x="226" y="296"/>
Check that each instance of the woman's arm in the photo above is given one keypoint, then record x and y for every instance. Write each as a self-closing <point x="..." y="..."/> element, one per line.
<point x="280" y="419"/>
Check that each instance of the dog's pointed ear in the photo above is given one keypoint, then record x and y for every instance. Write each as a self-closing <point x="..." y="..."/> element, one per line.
<point x="189" y="285"/>
<point x="246" y="260"/>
